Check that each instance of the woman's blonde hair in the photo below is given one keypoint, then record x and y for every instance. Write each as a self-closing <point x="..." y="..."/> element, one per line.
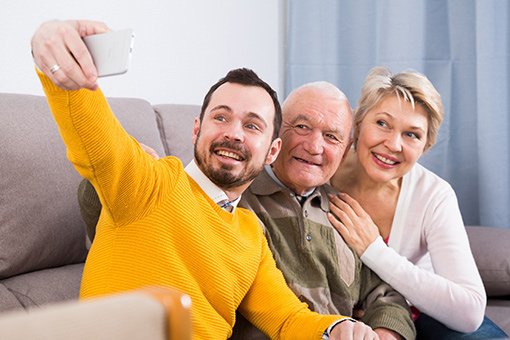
<point x="408" y="85"/>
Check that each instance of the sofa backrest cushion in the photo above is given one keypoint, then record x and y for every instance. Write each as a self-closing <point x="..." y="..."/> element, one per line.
<point x="40" y="223"/>
<point x="39" y="218"/>
<point x="175" y="122"/>
<point x="490" y="247"/>
<point x="139" y="120"/>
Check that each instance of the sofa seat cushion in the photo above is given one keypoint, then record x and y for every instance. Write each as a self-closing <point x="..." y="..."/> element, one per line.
<point x="8" y="300"/>
<point x="498" y="310"/>
<point x="42" y="287"/>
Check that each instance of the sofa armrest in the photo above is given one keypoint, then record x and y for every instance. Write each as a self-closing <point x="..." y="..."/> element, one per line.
<point x="491" y="250"/>
<point x="148" y="313"/>
<point x="177" y="306"/>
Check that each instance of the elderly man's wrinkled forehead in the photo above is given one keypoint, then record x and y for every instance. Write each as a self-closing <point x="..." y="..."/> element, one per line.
<point x="314" y="99"/>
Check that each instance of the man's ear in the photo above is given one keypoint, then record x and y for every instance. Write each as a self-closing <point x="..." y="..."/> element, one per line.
<point x="196" y="129"/>
<point x="274" y="150"/>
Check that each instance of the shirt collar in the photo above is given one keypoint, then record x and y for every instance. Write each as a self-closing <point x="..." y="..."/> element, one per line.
<point x="210" y="189"/>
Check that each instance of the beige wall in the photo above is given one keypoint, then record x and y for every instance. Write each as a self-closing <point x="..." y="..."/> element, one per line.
<point x="180" y="48"/>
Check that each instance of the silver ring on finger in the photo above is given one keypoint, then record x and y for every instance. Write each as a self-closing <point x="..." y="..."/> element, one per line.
<point x="54" y="68"/>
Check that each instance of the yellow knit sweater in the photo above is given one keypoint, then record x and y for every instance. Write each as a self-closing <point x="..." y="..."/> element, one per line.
<point x="159" y="228"/>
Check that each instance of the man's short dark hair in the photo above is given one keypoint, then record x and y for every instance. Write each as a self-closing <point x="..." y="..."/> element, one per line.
<point x="245" y="76"/>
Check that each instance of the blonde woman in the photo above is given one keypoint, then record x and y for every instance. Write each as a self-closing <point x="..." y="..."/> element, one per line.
<point x="403" y="220"/>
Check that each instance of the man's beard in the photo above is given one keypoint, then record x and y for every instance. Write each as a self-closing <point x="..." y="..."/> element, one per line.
<point x="223" y="177"/>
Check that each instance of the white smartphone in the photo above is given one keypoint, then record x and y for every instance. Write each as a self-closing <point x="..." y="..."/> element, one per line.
<point x="111" y="51"/>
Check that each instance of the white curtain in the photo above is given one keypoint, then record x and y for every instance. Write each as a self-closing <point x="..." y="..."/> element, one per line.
<point x="462" y="46"/>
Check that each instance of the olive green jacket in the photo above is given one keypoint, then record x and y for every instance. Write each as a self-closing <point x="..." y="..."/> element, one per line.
<point x="318" y="265"/>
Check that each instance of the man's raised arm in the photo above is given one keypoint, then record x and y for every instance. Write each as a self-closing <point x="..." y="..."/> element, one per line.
<point x="97" y="145"/>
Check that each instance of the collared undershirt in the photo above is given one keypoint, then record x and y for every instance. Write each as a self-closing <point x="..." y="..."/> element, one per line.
<point x="212" y="190"/>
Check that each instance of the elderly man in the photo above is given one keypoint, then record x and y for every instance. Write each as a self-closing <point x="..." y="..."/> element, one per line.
<point x="290" y="199"/>
<point x="161" y="223"/>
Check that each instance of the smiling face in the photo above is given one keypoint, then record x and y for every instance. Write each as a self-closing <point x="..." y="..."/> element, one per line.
<point x="233" y="140"/>
<point x="391" y="138"/>
<point x="315" y="134"/>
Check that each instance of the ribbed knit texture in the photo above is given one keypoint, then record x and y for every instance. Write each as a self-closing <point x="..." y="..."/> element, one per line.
<point x="159" y="227"/>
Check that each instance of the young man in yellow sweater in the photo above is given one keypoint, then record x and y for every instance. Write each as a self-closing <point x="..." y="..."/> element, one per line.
<point x="163" y="225"/>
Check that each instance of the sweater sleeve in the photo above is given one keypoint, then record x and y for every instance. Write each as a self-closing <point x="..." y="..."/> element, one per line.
<point x="102" y="151"/>
<point x="453" y="292"/>
<point x="384" y="307"/>
<point x="273" y="308"/>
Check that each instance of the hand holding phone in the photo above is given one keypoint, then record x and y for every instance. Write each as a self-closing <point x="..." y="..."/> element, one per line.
<point x="111" y="51"/>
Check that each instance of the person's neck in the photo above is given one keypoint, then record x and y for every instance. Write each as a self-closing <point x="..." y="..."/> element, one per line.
<point x="290" y="186"/>
<point x="302" y="192"/>
<point x="234" y="193"/>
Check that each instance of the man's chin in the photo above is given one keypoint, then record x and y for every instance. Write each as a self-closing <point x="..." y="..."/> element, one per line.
<point x="308" y="183"/>
<point x="306" y="176"/>
<point x="228" y="179"/>
<point x="228" y="170"/>
<point x="234" y="167"/>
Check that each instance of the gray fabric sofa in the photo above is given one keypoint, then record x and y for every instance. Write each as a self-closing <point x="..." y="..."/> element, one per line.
<point x="42" y="237"/>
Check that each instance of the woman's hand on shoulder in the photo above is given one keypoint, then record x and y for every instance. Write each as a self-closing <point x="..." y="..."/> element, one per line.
<point x="352" y="222"/>
<point x="60" y="53"/>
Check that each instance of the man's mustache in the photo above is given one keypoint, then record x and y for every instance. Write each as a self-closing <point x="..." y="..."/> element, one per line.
<point x="234" y="146"/>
